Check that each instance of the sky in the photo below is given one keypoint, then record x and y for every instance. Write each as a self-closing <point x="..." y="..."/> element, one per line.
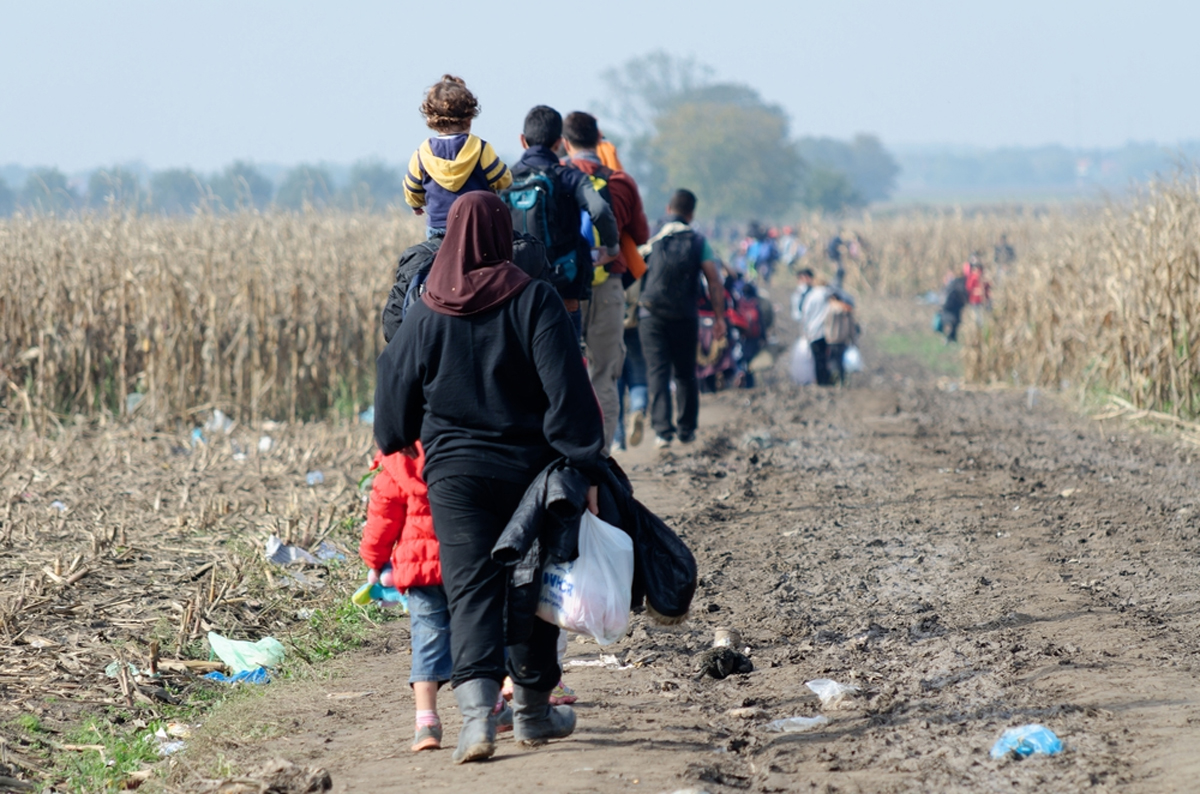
<point x="198" y="84"/>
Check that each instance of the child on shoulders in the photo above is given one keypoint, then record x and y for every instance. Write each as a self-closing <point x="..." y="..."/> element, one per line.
<point x="454" y="161"/>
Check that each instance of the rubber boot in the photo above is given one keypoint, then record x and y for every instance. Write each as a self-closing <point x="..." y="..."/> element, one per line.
<point x="535" y="721"/>
<point x="477" y="738"/>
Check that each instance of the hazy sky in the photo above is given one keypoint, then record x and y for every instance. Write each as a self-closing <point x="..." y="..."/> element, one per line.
<point x="172" y="83"/>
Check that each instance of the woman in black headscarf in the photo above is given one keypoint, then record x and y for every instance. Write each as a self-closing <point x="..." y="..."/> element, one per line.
<point x="487" y="373"/>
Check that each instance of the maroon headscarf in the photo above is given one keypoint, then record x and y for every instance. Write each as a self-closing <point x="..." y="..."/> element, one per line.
<point x="473" y="270"/>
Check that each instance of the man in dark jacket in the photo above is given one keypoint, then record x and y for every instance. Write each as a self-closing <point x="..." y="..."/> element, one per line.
<point x="669" y="318"/>
<point x="573" y="193"/>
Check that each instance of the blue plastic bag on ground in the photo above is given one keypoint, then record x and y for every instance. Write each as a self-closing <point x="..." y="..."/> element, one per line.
<point x="259" y="676"/>
<point x="1027" y="740"/>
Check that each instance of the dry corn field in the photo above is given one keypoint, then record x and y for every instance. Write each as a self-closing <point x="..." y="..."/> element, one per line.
<point x="1104" y="299"/>
<point x="1111" y="304"/>
<point x="276" y="316"/>
<point x="264" y="316"/>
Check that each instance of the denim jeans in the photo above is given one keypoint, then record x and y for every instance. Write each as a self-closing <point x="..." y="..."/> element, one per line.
<point x="633" y="378"/>
<point x="430" y="616"/>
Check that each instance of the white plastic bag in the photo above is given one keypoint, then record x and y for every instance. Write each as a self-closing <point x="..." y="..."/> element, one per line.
<point x="803" y="369"/>
<point x="829" y="691"/>
<point x="852" y="360"/>
<point x="590" y="595"/>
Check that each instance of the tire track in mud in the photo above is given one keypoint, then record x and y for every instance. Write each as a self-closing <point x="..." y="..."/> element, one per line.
<point x="970" y="561"/>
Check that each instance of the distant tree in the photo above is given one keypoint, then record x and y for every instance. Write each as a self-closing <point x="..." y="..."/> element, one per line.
<point x="305" y="184"/>
<point x="176" y="191"/>
<point x="372" y="185"/>
<point x="639" y="91"/>
<point x="116" y="185"/>
<point x="730" y="148"/>
<point x="242" y="185"/>
<point x="46" y="190"/>
<point x="870" y="168"/>
<point x="828" y="190"/>
<point x="8" y="200"/>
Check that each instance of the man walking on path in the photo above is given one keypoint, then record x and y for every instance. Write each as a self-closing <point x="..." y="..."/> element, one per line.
<point x="669" y="324"/>
<point x="545" y="192"/>
<point x="604" y="313"/>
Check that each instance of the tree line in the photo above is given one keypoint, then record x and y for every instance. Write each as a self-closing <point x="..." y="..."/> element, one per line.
<point x="675" y="126"/>
<point x="371" y="184"/>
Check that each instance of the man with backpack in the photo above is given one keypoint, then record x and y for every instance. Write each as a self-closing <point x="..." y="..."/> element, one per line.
<point x="604" y="313"/>
<point x="669" y="318"/>
<point x="546" y="200"/>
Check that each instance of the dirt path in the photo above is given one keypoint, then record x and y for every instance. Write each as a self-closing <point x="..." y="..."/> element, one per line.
<point x="972" y="560"/>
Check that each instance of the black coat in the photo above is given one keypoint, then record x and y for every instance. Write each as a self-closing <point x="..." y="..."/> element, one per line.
<point x="545" y="527"/>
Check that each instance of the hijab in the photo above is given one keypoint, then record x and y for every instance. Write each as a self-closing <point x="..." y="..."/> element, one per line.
<point x="473" y="270"/>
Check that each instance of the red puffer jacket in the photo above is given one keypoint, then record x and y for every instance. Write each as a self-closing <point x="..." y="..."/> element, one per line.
<point x="399" y="524"/>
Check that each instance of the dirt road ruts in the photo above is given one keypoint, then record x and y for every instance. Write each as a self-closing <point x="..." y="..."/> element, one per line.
<point x="972" y="560"/>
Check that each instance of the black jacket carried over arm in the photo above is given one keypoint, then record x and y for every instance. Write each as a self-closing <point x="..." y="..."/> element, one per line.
<point x="544" y="528"/>
<point x="500" y="394"/>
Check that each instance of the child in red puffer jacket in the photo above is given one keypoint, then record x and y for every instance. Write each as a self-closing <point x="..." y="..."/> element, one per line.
<point x="399" y="532"/>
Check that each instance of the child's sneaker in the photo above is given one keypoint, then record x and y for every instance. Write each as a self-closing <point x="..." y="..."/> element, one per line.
<point x="504" y="716"/>
<point x="562" y="695"/>
<point x="429" y="737"/>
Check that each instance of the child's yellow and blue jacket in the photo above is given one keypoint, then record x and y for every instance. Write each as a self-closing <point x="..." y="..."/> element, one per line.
<point x="445" y="167"/>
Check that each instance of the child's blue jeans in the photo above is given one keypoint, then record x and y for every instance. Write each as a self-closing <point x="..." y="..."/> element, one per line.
<point x="430" y="615"/>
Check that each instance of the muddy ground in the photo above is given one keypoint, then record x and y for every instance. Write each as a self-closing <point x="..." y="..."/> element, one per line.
<point x="972" y="560"/>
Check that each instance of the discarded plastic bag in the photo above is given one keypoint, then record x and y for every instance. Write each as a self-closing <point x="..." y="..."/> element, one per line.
<point x="852" y="360"/>
<point x="282" y="553"/>
<point x="219" y="423"/>
<point x="797" y="724"/>
<point x="803" y="370"/>
<point x="591" y="594"/>
<point x="241" y="656"/>
<point x="258" y="675"/>
<point x="829" y="691"/>
<point x="1026" y="741"/>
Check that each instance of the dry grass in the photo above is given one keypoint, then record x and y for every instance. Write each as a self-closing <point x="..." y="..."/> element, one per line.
<point x="266" y="316"/>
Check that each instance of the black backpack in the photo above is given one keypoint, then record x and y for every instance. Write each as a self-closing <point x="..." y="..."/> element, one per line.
<point x="411" y="272"/>
<point x="543" y="210"/>
<point x="672" y="276"/>
<point x="415" y="263"/>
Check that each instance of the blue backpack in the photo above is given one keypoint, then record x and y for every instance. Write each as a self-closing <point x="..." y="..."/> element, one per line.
<point x="537" y="206"/>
